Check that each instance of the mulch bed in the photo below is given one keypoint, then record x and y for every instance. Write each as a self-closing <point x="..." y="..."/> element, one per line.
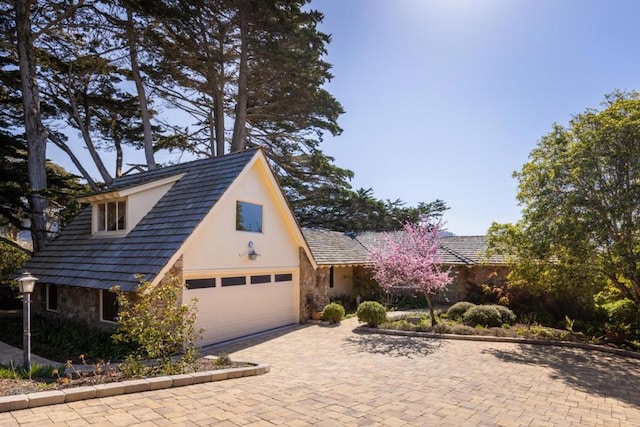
<point x="10" y="387"/>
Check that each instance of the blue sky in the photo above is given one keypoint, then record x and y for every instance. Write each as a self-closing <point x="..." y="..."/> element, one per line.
<point x="446" y="98"/>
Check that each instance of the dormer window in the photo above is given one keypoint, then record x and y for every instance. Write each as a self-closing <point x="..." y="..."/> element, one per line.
<point x="111" y="216"/>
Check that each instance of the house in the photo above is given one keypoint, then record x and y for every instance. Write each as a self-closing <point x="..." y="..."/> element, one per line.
<point x="338" y="258"/>
<point x="344" y="267"/>
<point x="221" y="225"/>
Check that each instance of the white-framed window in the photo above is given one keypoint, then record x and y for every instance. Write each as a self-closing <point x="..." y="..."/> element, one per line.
<point x="110" y="216"/>
<point x="52" y="297"/>
<point x="108" y="306"/>
<point x="248" y="217"/>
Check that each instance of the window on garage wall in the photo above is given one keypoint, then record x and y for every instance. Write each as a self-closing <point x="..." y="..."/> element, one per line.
<point x="262" y="278"/>
<point x="248" y="217"/>
<point x="234" y="281"/>
<point x="200" y="283"/>
<point x="284" y="277"/>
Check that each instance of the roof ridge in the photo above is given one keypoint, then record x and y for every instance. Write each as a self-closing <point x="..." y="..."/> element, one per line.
<point x="162" y="169"/>
<point x="456" y="254"/>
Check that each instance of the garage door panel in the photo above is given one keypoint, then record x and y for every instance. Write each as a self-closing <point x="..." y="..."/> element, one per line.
<point x="227" y="312"/>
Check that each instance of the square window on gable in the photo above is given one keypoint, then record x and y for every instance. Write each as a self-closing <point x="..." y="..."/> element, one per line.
<point x="248" y="217"/>
<point x="111" y="216"/>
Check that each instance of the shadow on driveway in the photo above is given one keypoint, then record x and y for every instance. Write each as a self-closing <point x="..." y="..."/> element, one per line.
<point x="243" y="343"/>
<point x="391" y="345"/>
<point x="591" y="371"/>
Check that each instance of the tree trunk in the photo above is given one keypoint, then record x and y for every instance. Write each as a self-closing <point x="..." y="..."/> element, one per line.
<point x="239" y="125"/>
<point x="64" y="147"/>
<point x="218" y="119"/>
<point x="431" y="312"/>
<point x="35" y="131"/>
<point x="117" y="141"/>
<point x="144" y="104"/>
<point x="83" y="125"/>
<point x="218" y="101"/>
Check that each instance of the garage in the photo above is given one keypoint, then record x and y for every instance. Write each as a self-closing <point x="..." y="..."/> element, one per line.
<point x="232" y="306"/>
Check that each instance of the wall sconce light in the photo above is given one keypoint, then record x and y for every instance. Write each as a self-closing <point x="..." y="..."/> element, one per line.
<point x="253" y="255"/>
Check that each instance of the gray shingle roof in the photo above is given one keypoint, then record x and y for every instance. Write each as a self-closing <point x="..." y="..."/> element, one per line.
<point x="76" y="258"/>
<point x="334" y="248"/>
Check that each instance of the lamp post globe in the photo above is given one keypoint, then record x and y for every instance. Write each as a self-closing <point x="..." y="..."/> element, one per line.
<point x="26" y="283"/>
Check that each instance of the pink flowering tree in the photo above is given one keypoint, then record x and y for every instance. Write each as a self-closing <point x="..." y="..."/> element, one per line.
<point x="408" y="260"/>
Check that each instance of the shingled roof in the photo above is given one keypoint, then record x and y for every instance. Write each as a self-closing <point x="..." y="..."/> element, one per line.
<point x="334" y="248"/>
<point x="77" y="258"/>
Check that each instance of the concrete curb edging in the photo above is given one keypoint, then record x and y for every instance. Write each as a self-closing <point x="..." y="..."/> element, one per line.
<point x="489" y="338"/>
<point x="54" y="397"/>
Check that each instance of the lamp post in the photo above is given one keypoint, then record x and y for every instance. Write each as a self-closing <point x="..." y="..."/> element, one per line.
<point x="26" y="284"/>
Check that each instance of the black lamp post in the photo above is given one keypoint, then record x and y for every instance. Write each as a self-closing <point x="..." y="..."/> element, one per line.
<point x="26" y="284"/>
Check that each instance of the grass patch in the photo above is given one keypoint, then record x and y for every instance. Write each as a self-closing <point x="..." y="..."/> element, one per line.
<point x="18" y="372"/>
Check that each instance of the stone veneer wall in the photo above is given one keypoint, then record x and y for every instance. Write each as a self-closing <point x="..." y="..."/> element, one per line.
<point x="74" y="303"/>
<point x="314" y="287"/>
<point x="83" y="304"/>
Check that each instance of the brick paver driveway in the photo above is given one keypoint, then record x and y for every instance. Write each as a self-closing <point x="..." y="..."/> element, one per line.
<point x="332" y="376"/>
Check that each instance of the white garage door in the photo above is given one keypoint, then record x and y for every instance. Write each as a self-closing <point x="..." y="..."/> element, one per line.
<point x="232" y="306"/>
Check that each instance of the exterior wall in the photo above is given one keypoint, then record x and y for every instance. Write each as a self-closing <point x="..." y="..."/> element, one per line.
<point x="363" y="284"/>
<point x="216" y="250"/>
<point x="314" y="287"/>
<point x="82" y="304"/>
<point x="342" y="281"/>
<point x="79" y="304"/>
<point x="139" y="204"/>
<point x="451" y="294"/>
<point x="467" y="280"/>
<point x="217" y="245"/>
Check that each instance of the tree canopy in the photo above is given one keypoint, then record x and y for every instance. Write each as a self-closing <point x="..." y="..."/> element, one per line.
<point x="410" y="261"/>
<point x="203" y="77"/>
<point x="580" y="193"/>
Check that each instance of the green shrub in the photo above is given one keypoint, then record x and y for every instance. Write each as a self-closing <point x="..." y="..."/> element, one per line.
<point x="347" y="301"/>
<point x="483" y="315"/>
<point x="622" y="312"/>
<point x="63" y="339"/>
<point x="161" y="326"/>
<point x="507" y="316"/>
<point x="457" y="310"/>
<point x="333" y="312"/>
<point x="372" y="313"/>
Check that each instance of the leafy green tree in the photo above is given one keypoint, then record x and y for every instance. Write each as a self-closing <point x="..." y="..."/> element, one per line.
<point x="580" y="192"/>
<point x="62" y="192"/>
<point x="12" y="258"/>
<point x="343" y="209"/>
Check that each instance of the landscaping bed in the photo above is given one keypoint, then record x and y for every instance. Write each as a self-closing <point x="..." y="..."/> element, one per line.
<point x="51" y="378"/>
<point x="420" y="322"/>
